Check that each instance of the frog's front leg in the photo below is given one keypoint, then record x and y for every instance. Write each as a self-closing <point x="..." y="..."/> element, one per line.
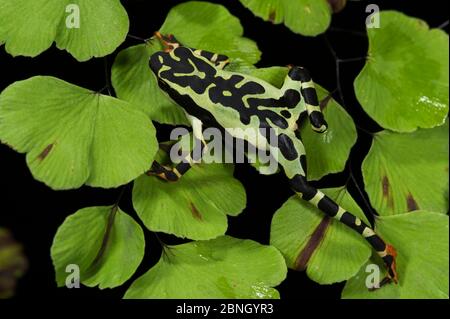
<point x="291" y="156"/>
<point x="219" y="60"/>
<point x="197" y="129"/>
<point x="168" y="41"/>
<point x="298" y="78"/>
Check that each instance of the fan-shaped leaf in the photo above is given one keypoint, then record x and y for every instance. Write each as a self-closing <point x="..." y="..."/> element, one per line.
<point x="406" y="172"/>
<point x="404" y="84"/>
<point x="307" y="17"/>
<point x="106" y="244"/>
<point x="220" y="268"/>
<point x="74" y="136"/>
<point x="85" y="28"/>
<point x="421" y="240"/>
<point x="195" y="207"/>
<point x="210" y="27"/>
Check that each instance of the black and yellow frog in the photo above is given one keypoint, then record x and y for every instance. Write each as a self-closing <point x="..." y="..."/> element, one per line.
<point x="211" y="96"/>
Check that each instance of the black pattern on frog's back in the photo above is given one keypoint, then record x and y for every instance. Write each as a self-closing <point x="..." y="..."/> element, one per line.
<point x="234" y="91"/>
<point x="229" y="92"/>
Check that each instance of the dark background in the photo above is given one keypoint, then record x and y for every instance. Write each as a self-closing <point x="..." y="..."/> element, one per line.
<point x="33" y="211"/>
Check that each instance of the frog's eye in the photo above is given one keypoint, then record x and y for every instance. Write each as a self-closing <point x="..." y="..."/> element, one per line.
<point x="156" y="62"/>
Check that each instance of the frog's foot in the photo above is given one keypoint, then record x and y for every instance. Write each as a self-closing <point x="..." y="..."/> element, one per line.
<point x="390" y="260"/>
<point x="168" y="41"/>
<point x="389" y="255"/>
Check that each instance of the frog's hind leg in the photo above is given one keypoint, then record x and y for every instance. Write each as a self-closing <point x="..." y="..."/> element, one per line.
<point x="299" y="77"/>
<point x="330" y="208"/>
<point x="290" y="154"/>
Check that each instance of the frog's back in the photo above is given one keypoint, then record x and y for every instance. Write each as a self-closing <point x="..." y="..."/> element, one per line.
<point x="232" y="99"/>
<point x="239" y="99"/>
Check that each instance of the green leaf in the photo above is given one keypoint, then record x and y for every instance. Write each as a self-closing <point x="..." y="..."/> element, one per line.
<point x="74" y="136"/>
<point x="194" y="207"/>
<point x="274" y="75"/>
<point x="326" y="153"/>
<point x="336" y="251"/>
<point x="307" y="17"/>
<point x="105" y="243"/>
<point x="210" y="27"/>
<point x="30" y="27"/>
<point x="195" y="24"/>
<point x="404" y="84"/>
<point x="406" y="172"/>
<point x="421" y="240"/>
<point x="225" y="267"/>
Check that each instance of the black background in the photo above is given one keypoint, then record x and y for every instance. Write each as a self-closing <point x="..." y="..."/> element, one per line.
<point x="33" y="211"/>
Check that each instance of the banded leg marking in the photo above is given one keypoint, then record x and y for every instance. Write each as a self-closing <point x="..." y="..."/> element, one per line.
<point x="309" y="93"/>
<point x="330" y="208"/>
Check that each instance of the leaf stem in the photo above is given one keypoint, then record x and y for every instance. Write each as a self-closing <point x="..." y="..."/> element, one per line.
<point x="352" y="59"/>
<point x="122" y="192"/>
<point x="337" y="64"/>
<point x="107" y="76"/>
<point x="137" y="38"/>
<point x="443" y="25"/>
<point x="353" y="32"/>
<point x="164" y="246"/>
<point x="338" y="61"/>
<point x="106" y="236"/>
<point x="360" y="191"/>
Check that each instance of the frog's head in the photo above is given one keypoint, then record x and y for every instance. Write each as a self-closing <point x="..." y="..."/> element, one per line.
<point x="176" y="63"/>
<point x="169" y="65"/>
<point x="181" y="74"/>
